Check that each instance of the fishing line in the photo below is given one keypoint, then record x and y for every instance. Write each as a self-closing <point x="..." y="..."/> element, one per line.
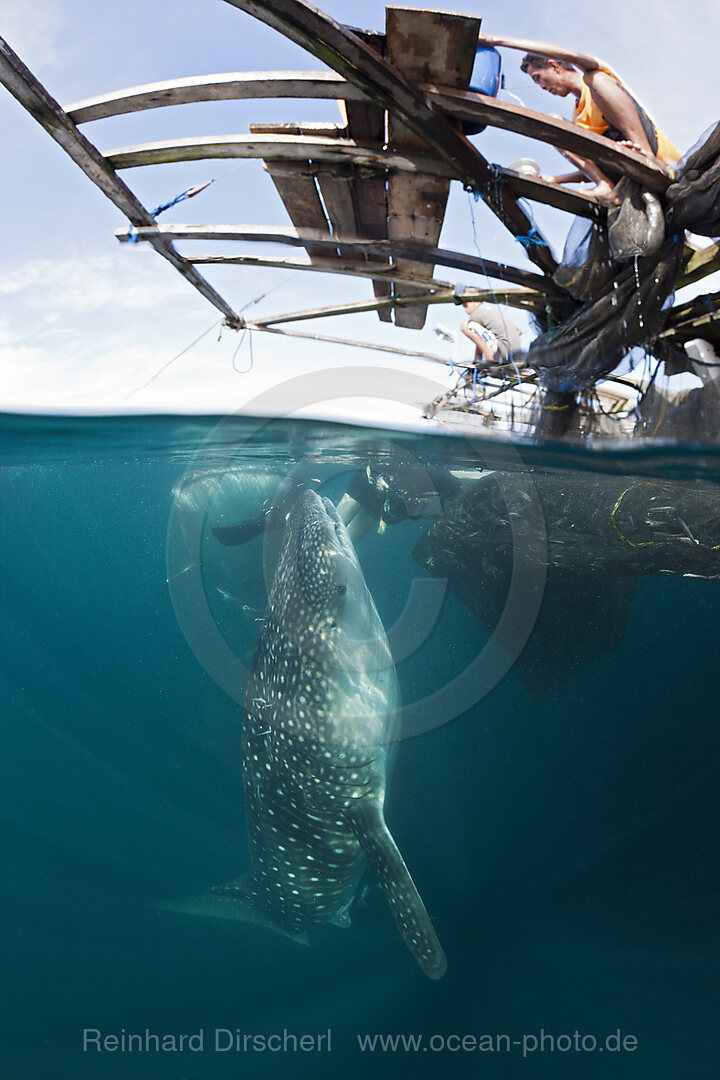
<point x="285" y="281"/>
<point x="174" y="358"/>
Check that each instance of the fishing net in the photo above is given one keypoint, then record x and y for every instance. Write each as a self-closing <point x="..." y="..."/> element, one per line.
<point x="625" y="303"/>
<point x="599" y="535"/>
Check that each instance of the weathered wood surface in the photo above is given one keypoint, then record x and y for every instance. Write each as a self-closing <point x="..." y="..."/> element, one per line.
<point x="225" y="86"/>
<point x="699" y="263"/>
<point x="359" y="306"/>
<point x="373" y="346"/>
<point x="343" y="50"/>
<point x="355" y="267"/>
<point x="358" y="161"/>
<point x="33" y="96"/>
<point x="273" y="234"/>
<point x="310" y="84"/>
<point x="295" y="183"/>
<point x="424" y="46"/>
<point x="275" y="147"/>
<point x="522" y="297"/>
<point x="699" y="317"/>
<point x="366" y="125"/>
<point x="467" y="105"/>
<point x="395" y="303"/>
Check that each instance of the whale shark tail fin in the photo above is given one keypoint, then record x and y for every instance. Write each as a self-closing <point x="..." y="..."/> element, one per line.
<point x="230" y="901"/>
<point x="405" y="902"/>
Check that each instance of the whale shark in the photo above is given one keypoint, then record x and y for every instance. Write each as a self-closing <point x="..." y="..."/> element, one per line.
<point x="320" y="730"/>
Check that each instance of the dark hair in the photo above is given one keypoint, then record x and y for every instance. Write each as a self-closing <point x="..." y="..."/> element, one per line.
<point x="532" y="59"/>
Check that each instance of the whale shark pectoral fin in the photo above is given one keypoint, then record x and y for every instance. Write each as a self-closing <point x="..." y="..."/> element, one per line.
<point x="405" y="902"/>
<point x="230" y="901"/>
<point x="342" y="918"/>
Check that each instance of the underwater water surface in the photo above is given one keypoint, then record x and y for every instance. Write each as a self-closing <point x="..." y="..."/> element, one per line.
<point x="554" y="618"/>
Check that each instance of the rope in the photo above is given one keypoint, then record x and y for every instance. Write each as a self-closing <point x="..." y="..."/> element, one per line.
<point x="487" y="278"/>
<point x="532" y="239"/>
<point x="189" y="193"/>
<point x="237" y="350"/>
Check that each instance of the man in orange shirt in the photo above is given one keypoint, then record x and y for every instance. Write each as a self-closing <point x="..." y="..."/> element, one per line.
<point x="602" y="105"/>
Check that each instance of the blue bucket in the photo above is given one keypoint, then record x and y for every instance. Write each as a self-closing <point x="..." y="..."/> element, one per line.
<point x="486" y="79"/>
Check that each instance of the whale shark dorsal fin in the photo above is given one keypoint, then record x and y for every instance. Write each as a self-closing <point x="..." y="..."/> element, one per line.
<point x="405" y="902"/>
<point x="230" y="901"/>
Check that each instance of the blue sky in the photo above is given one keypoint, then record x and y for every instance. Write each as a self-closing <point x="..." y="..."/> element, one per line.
<point x="85" y="321"/>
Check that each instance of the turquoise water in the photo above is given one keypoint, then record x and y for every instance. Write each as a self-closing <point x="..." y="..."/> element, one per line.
<point x="557" y="805"/>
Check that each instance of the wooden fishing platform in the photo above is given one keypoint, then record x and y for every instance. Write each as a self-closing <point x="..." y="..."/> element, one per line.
<point x="366" y="197"/>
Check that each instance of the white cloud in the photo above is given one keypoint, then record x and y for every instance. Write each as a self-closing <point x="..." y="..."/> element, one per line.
<point x="82" y="285"/>
<point x="32" y="29"/>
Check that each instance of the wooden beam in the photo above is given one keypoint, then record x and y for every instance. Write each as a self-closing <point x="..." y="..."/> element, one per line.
<point x="348" y="341"/>
<point x="273" y="234"/>
<point x="366" y="124"/>
<point x="424" y="46"/>
<point x="329" y="85"/>
<point x="521" y="297"/>
<point x="227" y="86"/>
<point x="344" y="51"/>
<point x="275" y="148"/>
<point x="295" y="184"/>
<point x="33" y="96"/>
<point x="354" y="268"/>
<point x="341" y="153"/>
<point x="359" y="306"/>
<point x="692" y="316"/>
<point x="467" y="105"/>
<point x="563" y="198"/>
<point x="700" y="263"/>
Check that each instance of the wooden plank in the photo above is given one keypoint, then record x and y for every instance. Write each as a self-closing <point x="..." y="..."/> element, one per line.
<point x="33" y="96"/>
<point x="339" y="153"/>
<point x="563" y="198"/>
<point x="295" y="184"/>
<point x="348" y="341"/>
<point x="426" y="47"/>
<point x="359" y="306"/>
<point x="467" y="105"/>
<point x="226" y="86"/>
<point x="526" y="298"/>
<point x="700" y="263"/>
<point x="355" y="267"/>
<point x="324" y="85"/>
<point x="274" y="147"/>
<point x="351" y="57"/>
<point x="698" y="317"/>
<point x="366" y="125"/>
<point x="273" y="234"/>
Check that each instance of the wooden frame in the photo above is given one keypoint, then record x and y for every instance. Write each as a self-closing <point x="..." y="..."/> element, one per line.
<point x="340" y="168"/>
<point x="23" y="85"/>
<point x="462" y="105"/>
<point x="275" y="234"/>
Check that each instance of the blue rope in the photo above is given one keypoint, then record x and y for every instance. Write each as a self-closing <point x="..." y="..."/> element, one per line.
<point x="187" y="194"/>
<point x="532" y="239"/>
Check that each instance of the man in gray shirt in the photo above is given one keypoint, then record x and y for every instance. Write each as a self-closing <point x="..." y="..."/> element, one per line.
<point x="496" y="338"/>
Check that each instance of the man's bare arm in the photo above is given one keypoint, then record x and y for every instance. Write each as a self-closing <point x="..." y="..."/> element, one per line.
<point x="543" y="48"/>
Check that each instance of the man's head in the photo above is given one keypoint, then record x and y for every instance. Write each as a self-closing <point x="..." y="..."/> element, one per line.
<point x="472" y="305"/>
<point x="556" y="76"/>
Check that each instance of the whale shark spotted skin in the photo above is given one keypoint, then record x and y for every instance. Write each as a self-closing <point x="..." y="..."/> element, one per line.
<point x="321" y="711"/>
